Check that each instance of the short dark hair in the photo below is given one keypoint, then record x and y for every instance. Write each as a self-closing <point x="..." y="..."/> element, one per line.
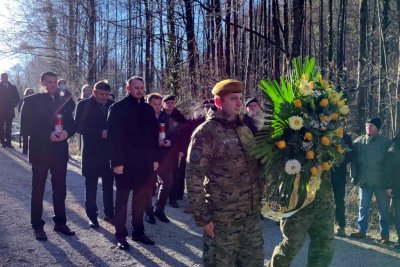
<point x="102" y="85"/>
<point x="128" y="82"/>
<point x="4" y="74"/>
<point x="47" y="74"/>
<point x="153" y="96"/>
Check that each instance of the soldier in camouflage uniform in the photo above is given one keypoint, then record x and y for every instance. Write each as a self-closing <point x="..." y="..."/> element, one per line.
<point x="223" y="183"/>
<point x="316" y="219"/>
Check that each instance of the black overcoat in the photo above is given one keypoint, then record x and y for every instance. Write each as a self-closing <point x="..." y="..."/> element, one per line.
<point x="38" y="121"/>
<point x="9" y="99"/>
<point x="133" y="134"/>
<point x="91" y="120"/>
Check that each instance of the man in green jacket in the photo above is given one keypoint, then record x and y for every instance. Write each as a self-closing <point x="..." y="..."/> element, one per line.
<point x="223" y="184"/>
<point x="367" y="169"/>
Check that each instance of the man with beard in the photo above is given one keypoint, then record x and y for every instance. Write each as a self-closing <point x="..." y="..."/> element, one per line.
<point x="133" y="134"/>
<point x="91" y="121"/>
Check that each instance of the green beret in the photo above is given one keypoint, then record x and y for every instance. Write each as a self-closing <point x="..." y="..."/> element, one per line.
<point x="227" y="86"/>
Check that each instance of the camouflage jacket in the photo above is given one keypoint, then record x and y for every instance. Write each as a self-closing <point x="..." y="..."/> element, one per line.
<point x="222" y="177"/>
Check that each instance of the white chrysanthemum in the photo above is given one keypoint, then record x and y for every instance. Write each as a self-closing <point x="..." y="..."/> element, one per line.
<point x="306" y="88"/>
<point x="295" y="123"/>
<point x="292" y="167"/>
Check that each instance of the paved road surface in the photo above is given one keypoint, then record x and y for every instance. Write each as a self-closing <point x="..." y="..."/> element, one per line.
<point x="177" y="244"/>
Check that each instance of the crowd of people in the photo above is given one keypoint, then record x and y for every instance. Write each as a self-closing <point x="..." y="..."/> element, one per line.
<point x="144" y="145"/>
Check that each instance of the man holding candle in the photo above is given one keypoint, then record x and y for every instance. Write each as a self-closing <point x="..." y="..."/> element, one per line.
<point x="40" y="115"/>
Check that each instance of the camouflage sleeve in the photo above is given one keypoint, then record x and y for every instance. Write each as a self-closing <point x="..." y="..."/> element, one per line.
<point x="199" y="160"/>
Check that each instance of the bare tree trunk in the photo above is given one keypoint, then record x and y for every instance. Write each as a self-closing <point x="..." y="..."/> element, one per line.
<point x="362" y="83"/>
<point x="228" y="38"/>
<point x="331" y="39"/>
<point x="91" y="41"/>
<point x="340" y="58"/>
<point x="191" y="45"/>
<point x="277" y="39"/>
<point x="298" y="22"/>
<point x="149" y="26"/>
<point x="321" y="37"/>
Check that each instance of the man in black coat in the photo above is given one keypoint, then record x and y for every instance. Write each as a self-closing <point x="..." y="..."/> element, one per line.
<point x="91" y="122"/>
<point x="9" y="99"/>
<point x="176" y="123"/>
<point x="133" y="134"/>
<point x="49" y="123"/>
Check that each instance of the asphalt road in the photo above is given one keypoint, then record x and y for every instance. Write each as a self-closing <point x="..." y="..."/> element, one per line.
<point x="178" y="243"/>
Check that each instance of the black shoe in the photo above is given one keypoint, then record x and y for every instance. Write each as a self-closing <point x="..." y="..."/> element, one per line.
<point x="161" y="216"/>
<point x="122" y="243"/>
<point x="40" y="235"/>
<point x="174" y="204"/>
<point x="10" y="146"/>
<point x="143" y="239"/>
<point x="63" y="229"/>
<point x="109" y="219"/>
<point x="150" y="219"/>
<point x="3" y="145"/>
<point x="93" y="223"/>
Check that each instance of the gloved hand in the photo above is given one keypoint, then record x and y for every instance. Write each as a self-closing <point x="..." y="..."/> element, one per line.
<point x="354" y="180"/>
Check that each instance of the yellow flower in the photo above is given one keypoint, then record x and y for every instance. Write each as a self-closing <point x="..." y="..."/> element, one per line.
<point x="340" y="149"/>
<point x="310" y="154"/>
<point x="344" y="109"/>
<point x="281" y="144"/>
<point x="308" y="136"/>
<point x="334" y="97"/>
<point x="335" y="116"/>
<point x="339" y="132"/>
<point x="324" y="103"/>
<point x="326" y="166"/>
<point x="324" y="118"/>
<point x="325" y="141"/>
<point x="295" y="123"/>
<point x="306" y="87"/>
<point x="313" y="171"/>
<point x="297" y="103"/>
<point x="325" y="84"/>
<point x="341" y="103"/>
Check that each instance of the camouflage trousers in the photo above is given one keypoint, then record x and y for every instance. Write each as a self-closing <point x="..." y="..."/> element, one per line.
<point x="237" y="244"/>
<point x="318" y="221"/>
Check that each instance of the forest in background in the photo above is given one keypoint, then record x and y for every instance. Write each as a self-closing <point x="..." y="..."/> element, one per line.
<point x="184" y="47"/>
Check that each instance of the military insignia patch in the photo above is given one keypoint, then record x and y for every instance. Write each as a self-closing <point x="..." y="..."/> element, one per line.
<point x="195" y="154"/>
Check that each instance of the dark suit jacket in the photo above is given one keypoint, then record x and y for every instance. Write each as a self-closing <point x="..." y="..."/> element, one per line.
<point x="91" y="120"/>
<point x="133" y="134"/>
<point x="38" y="120"/>
<point x="9" y="99"/>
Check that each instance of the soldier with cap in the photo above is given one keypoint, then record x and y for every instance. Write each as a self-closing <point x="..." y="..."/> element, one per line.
<point x="223" y="183"/>
<point x="369" y="151"/>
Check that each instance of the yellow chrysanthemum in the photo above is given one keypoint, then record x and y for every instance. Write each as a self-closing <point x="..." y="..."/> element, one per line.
<point x="324" y="103"/>
<point x="341" y="103"/>
<point x="324" y="118"/>
<point x="325" y="141"/>
<point x="308" y="136"/>
<point x="297" y="103"/>
<point x="295" y="123"/>
<point x="281" y="144"/>
<point x="335" y="116"/>
<point x="325" y="84"/>
<point x="326" y="166"/>
<point x="310" y="154"/>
